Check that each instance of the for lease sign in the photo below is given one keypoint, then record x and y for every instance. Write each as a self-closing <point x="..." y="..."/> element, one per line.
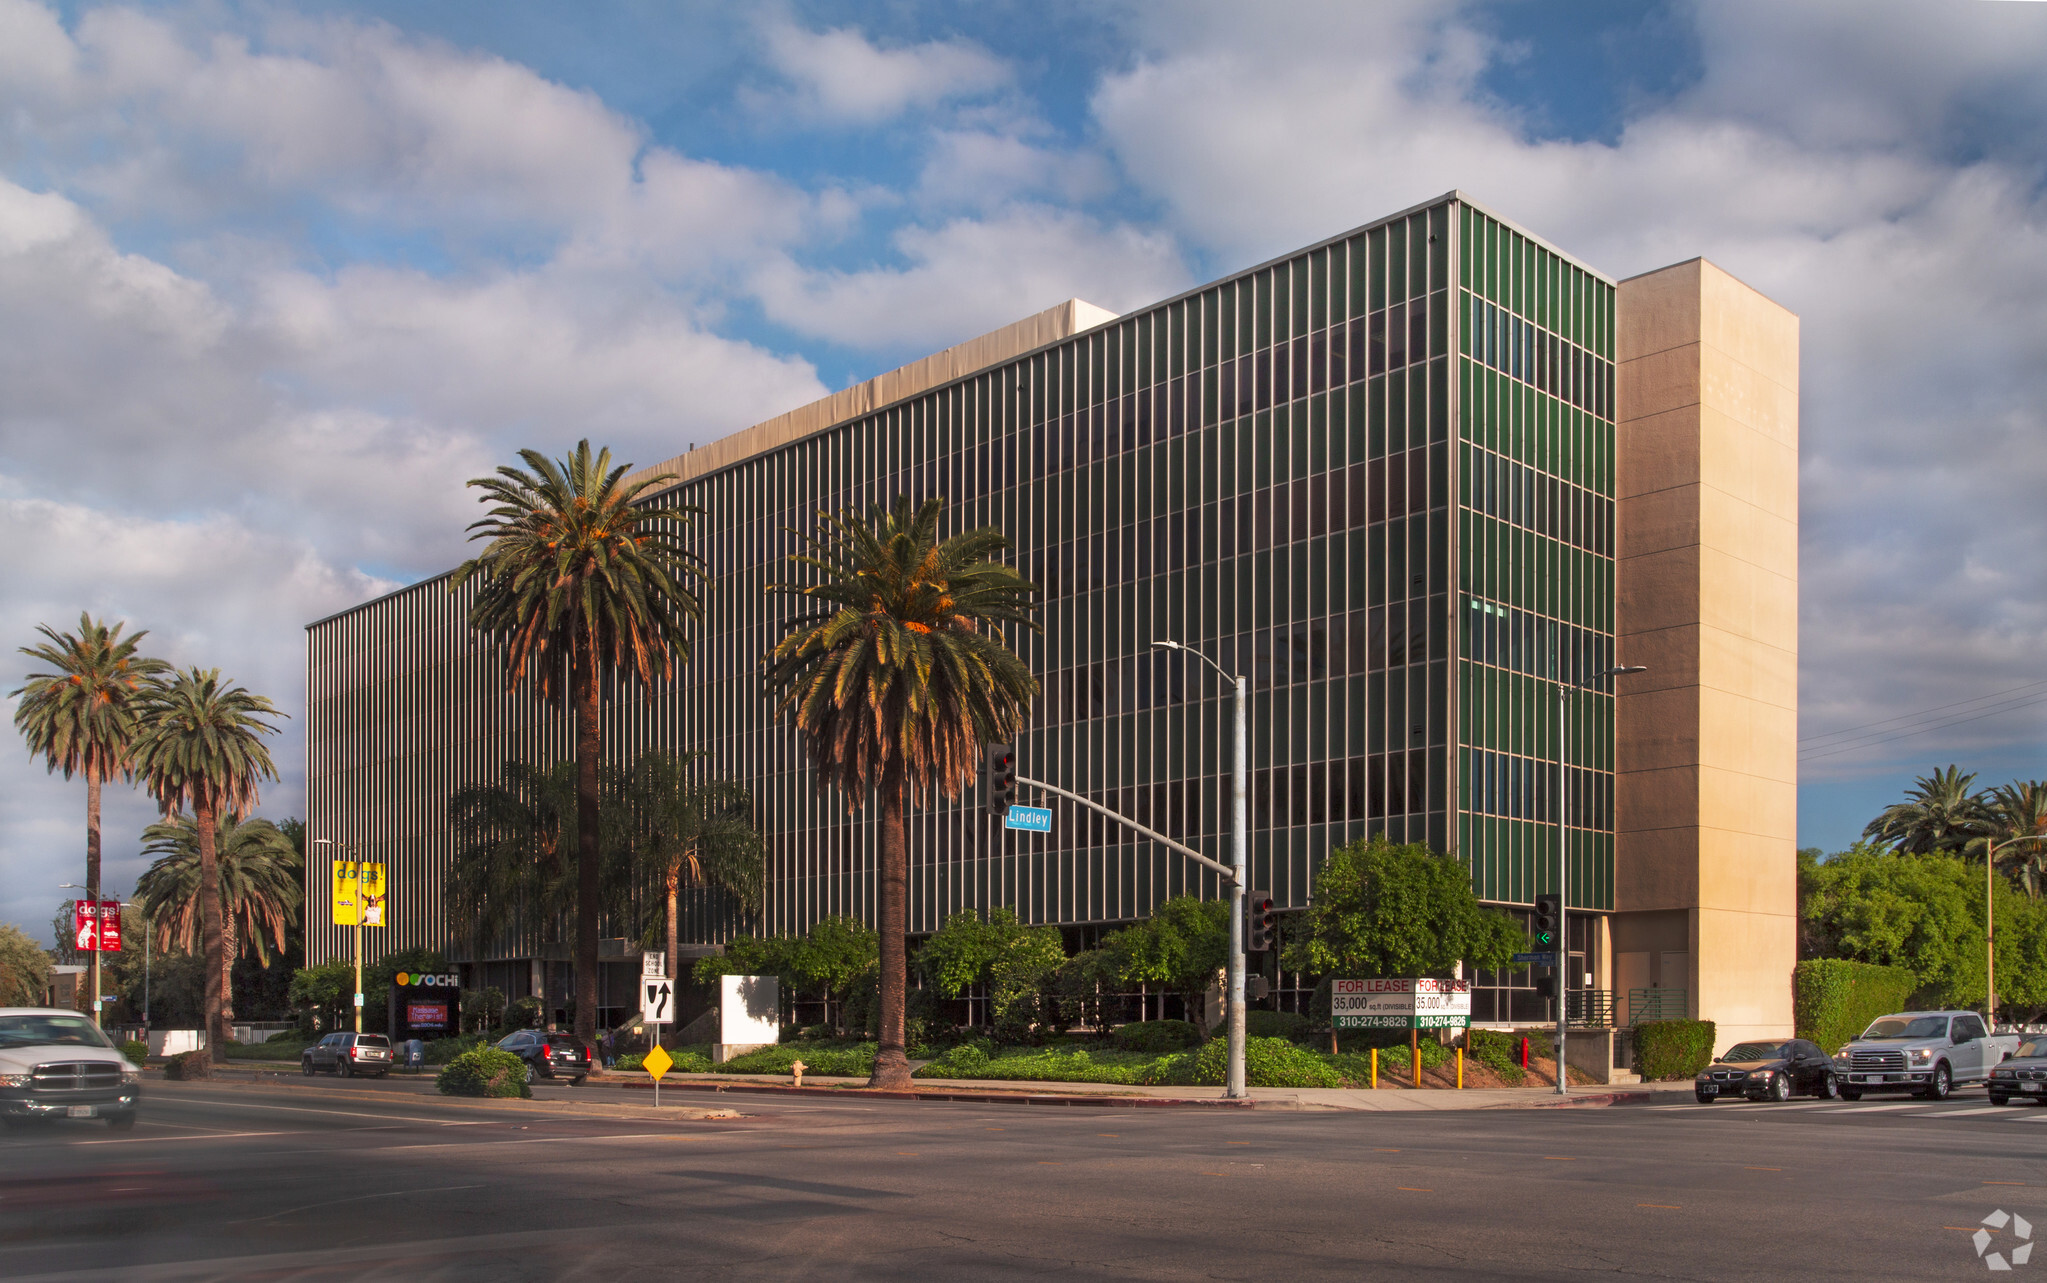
<point x="1409" y="1002"/>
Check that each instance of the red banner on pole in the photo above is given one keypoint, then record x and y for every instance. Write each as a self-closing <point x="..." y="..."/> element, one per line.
<point x="98" y="925"/>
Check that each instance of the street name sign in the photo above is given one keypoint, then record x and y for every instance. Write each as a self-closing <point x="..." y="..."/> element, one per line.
<point x="655" y="1001"/>
<point x="1030" y="819"/>
<point x="1401" y="1003"/>
<point x="1536" y="959"/>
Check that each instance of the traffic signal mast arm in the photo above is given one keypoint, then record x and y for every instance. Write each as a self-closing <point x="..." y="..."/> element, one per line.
<point x="1229" y="874"/>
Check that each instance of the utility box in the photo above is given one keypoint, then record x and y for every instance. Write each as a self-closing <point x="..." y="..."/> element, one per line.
<point x="749" y="1016"/>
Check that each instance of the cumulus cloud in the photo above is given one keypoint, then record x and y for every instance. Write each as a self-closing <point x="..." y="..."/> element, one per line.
<point x="838" y="75"/>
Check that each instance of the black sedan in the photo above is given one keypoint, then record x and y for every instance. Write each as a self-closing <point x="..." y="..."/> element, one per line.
<point x="2023" y="1077"/>
<point x="550" y="1055"/>
<point x="1769" y="1071"/>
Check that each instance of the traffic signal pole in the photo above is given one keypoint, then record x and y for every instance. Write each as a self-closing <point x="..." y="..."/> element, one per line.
<point x="1563" y="953"/>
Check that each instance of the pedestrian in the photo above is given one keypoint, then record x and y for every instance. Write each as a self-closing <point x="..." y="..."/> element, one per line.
<point x="610" y="1048"/>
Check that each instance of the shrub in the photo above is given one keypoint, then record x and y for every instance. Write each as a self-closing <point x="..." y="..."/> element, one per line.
<point x="1667" y="1050"/>
<point x="1156" y="1037"/>
<point x="1049" y="1064"/>
<point x="1276" y="1024"/>
<point x="1497" y="1051"/>
<point x="188" y="1065"/>
<point x="442" y="1050"/>
<point x="484" y="1071"/>
<point x="855" y="1061"/>
<point x="1835" y="1000"/>
<point x="1268" y="1062"/>
<point x="136" y="1052"/>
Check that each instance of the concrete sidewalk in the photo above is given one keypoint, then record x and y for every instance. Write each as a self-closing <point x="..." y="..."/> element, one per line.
<point x="1099" y="1095"/>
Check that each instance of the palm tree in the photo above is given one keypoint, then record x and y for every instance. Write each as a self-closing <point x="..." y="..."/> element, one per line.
<point x="512" y="870"/>
<point x="81" y="717"/>
<point x="895" y="680"/>
<point x="199" y="748"/>
<point x="1939" y="813"/>
<point x="580" y="576"/>
<point x="2016" y="810"/>
<point x="261" y="889"/>
<point x="699" y="825"/>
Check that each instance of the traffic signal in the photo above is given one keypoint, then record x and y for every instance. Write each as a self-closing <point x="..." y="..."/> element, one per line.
<point x="1260" y="919"/>
<point x="998" y="777"/>
<point x="1546" y="986"/>
<point x="1548" y="910"/>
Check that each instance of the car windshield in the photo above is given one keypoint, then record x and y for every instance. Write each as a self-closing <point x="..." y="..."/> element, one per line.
<point x="2031" y="1050"/>
<point x="1754" y="1051"/>
<point x="1903" y="1027"/>
<point x="50" y="1031"/>
<point x="562" y="1040"/>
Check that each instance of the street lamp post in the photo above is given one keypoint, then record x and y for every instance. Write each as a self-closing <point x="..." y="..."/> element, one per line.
<point x="1565" y="688"/>
<point x="343" y="846"/>
<point x="1240" y="828"/>
<point x="1990" y="924"/>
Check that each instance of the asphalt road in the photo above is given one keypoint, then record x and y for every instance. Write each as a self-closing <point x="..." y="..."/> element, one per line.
<point x="330" y="1180"/>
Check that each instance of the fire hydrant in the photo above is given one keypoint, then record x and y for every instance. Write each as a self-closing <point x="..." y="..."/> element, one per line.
<point x="797" y="1069"/>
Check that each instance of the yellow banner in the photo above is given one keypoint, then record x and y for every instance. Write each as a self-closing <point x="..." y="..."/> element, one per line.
<point x="373" y="893"/>
<point x="347" y="897"/>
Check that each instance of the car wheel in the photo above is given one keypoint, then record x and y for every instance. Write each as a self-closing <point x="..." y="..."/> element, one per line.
<point x="1780" y="1088"/>
<point x="1705" y="1099"/>
<point x="1943" y="1083"/>
<point x="343" y="1068"/>
<point x="121" y="1122"/>
<point x="577" y="1081"/>
<point x="1999" y="1098"/>
<point x="1851" y="1093"/>
<point x="1830" y="1086"/>
<point x="306" y="1067"/>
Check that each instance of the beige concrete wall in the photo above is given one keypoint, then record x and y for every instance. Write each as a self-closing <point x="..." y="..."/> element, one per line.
<point x="1049" y="326"/>
<point x="1707" y="787"/>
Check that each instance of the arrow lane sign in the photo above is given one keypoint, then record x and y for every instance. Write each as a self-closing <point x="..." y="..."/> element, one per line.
<point x="654" y="1002"/>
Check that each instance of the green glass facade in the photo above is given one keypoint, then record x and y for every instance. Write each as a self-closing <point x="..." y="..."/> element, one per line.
<point x="1376" y="474"/>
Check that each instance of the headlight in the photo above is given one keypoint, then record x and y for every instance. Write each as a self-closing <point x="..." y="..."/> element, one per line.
<point x="1922" y="1054"/>
<point x="1764" y="1074"/>
<point x="15" y="1080"/>
<point x="131" y="1074"/>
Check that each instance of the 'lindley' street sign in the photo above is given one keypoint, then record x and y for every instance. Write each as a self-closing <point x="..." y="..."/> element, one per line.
<point x="1407" y="1003"/>
<point x="1031" y="819"/>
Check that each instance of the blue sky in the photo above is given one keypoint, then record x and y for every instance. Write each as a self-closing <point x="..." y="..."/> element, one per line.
<point x="278" y="278"/>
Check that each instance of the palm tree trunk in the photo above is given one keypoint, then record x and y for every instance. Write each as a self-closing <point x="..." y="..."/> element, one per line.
<point x="231" y="947"/>
<point x="589" y="743"/>
<point x="891" y="1065"/>
<point x="674" y="883"/>
<point x="92" y="870"/>
<point x="211" y="934"/>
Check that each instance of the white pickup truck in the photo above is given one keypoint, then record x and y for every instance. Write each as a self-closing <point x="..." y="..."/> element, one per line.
<point x="1925" y="1052"/>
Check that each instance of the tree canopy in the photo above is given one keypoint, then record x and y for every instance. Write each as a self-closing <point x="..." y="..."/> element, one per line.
<point x="1382" y="908"/>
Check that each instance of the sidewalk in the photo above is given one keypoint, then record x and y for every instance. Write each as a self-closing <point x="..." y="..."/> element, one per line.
<point x="1105" y="1095"/>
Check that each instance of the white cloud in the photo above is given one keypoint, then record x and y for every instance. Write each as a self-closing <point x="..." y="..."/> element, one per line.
<point x="840" y="76"/>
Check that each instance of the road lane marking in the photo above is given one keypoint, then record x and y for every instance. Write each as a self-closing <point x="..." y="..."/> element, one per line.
<point x="2004" y="1182"/>
<point x="1410" y="1189"/>
<point x="172" y="1140"/>
<point x="1871" y="1109"/>
<point x="1964" y="1113"/>
<point x="1668" y="1207"/>
<point x="336" y="1113"/>
<point x="1762" y="1169"/>
<point x="336" y="1202"/>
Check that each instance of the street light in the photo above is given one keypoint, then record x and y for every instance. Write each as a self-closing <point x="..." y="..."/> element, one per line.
<point x="1240" y="825"/>
<point x="1565" y="688"/>
<point x="1990" y="923"/>
<point x="343" y="846"/>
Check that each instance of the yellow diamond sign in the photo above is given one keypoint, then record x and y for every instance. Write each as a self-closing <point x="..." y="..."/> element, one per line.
<point x="658" y="1062"/>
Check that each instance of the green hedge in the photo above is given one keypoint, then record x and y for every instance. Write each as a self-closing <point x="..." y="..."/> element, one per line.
<point x="1047" y="1064"/>
<point x="1157" y="1037"/>
<point x="484" y="1071"/>
<point x="1498" y="1051"/>
<point x="1276" y="1024"/>
<point x="1666" y="1050"/>
<point x="1268" y="1062"/>
<point x="854" y="1061"/>
<point x="1834" y="1000"/>
<point x="136" y="1052"/>
<point x="686" y="1062"/>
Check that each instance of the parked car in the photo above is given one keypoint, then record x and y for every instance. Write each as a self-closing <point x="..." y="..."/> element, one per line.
<point x="2024" y="1075"/>
<point x="550" y="1055"/>
<point x="1770" y="1070"/>
<point x="348" y="1054"/>
<point x="1924" y="1052"/>
<point x="57" y="1064"/>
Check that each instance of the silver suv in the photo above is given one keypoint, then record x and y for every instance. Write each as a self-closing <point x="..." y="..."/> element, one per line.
<point x="57" y="1064"/>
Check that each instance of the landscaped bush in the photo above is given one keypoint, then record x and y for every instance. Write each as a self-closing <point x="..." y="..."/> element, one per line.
<point x="1157" y="1037"/>
<point x="282" y="1047"/>
<point x="1268" y="1062"/>
<point x="1667" y="1050"/>
<point x="1497" y="1051"/>
<point x="441" y="1051"/>
<point x="686" y="1061"/>
<point x="853" y="1061"/>
<point x="136" y="1052"/>
<point x="1834" y="1000"/>
<point x="189" y="1064"/>
<point x="484" y="1071"/>
<point x="1047" y="1064"/>
<point x="1289" y="1025"/>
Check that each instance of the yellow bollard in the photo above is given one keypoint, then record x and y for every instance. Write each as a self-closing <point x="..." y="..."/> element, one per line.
<point x="1375" y="1067"/>
<point x="1460" y="1069"/>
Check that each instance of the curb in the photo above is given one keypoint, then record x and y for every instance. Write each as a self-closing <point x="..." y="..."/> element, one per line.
<point x="1600" y="1101"/>
<point x="964" y="1097"/>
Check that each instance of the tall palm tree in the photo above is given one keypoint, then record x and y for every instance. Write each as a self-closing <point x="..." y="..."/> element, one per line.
<point x="2017" y="810"/>
<point x="199" y="748"/>
<point x="701" y="826"/>
<point x="895" y="679"/>
<point x="578" y="577"/>
<point x="1940" y="813"/>
<point x="80" y="717"/>
<point x="261" y="889"/>
<point x="514" y="868"/>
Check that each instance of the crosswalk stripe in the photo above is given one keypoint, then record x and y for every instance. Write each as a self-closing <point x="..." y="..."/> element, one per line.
<point x="1963" y="1113"/>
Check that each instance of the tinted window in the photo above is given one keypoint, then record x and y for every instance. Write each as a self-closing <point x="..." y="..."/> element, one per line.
<point x="50" y="1031"/>
<point x="372" y="1040"/>
<point x="1967" y="1027"/>
<point x="1904" y="1027"/>
<point x="1756" y="1051"/>
<point x="563" y="1040"/>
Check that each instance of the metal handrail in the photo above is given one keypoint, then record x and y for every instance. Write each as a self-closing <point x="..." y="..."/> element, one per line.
<point x="1656" y="1004"/>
